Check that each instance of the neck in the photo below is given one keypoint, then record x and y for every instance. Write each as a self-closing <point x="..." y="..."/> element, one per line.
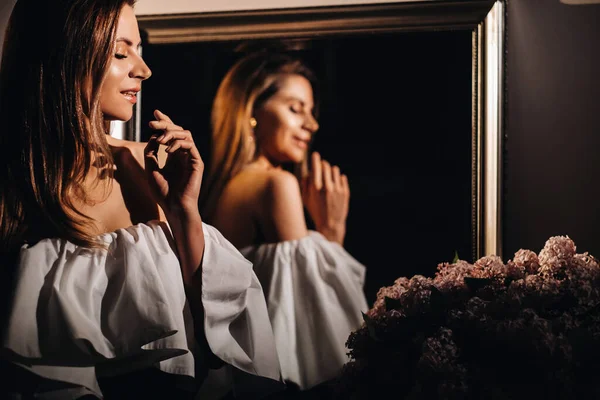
<point x="113" y="141"/>
<point x="263" y="162"/>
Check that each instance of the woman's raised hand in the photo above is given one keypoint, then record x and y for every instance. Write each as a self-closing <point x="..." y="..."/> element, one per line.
<point x="177" y="184"/>
<point x="326" y="196"/>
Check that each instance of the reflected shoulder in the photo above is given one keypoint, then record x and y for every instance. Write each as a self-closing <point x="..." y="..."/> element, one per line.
<point x="282" y="208"/>
<point x="281" y="183"/>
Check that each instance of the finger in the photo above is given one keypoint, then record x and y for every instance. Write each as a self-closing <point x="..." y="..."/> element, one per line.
<point x="187" y="148"/>
<point x="327" y="178"/>
<point x="169" y="136"/>
<point x="316" y="174"/>
<point x="179" y="144"/>
<point x="336" y="177"/>
<point x="151" y="154"/>
<point x="304" y="169"/>
<point x="304" y="182"/>
<point x="162" y="116"/>
<point x="345" y="184"/>
<point x="187" y="144"/>
<point x="164" y="125"/>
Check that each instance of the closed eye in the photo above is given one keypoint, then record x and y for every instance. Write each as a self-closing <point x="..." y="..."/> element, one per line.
<point x="120" y="56"/>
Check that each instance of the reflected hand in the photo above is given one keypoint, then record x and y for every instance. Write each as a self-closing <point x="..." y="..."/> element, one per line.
<point x="177" y="184"/>
<point x="326" y="196"/>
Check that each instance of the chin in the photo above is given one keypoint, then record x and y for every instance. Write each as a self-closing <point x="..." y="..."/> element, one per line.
<point x="118" y="116"/>
<point x="294" y="159"/>
<point x="296" y="155"/>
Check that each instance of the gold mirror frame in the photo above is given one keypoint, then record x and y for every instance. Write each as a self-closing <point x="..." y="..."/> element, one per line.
<point x="485" y="18"/>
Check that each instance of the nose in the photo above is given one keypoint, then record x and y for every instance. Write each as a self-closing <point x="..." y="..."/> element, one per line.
<point x="311" y="123"/>
<point x="140" y="69"/>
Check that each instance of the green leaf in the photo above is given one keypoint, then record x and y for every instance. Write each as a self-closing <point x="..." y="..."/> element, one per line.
<point x="455" y="259"/>
<point x="366" y="318"/>
<point x="392" y="304"/>
<point x="370" y="326"/>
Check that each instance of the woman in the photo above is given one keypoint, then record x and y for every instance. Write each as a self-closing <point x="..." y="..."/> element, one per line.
<point x="105" y="235"/>
<point x="262" y="120"/>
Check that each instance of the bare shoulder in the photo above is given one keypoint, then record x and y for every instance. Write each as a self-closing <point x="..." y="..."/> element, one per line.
<point x="262" y="183"/>
<point x="127" y="150"/>
<point x="281" y="185"/>
<point x="132" y="180"/>
<point x="268" y="199"/>
<point x="282" y="208"/>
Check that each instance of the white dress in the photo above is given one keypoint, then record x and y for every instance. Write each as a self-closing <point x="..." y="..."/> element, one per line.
<point x="315" y="299"/>
<point x="79" y="312"/>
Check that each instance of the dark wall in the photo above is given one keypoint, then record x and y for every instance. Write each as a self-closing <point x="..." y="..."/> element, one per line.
<point x="552" y="167"/>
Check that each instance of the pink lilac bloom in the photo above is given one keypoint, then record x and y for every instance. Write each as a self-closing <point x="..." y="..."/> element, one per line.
<point x="527" y="328"/>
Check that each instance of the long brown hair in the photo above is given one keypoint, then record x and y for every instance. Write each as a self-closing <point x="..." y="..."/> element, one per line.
<point x="250" y="82"/>
<point x="54" y="60"/>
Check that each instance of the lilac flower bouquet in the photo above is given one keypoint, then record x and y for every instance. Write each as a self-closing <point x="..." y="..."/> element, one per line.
<point x="527" y="329"/>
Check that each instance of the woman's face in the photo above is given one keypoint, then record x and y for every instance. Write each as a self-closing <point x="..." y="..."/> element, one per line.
<point x="126" y="70"/>
<point x="285" y="122"/>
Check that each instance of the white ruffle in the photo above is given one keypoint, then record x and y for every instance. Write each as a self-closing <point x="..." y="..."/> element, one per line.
<point x="315" y="299"/>
<point x="78" y="311"/>
<point x="236" y="322"/>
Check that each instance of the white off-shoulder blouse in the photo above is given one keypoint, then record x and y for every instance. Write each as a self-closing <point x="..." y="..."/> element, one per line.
<point x="79" y="312"/>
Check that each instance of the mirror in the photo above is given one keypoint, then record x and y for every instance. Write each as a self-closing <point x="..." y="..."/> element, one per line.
<point x="410" y="109"/>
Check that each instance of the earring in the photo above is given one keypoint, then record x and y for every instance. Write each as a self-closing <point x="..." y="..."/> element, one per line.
<point x="253" y="122"/>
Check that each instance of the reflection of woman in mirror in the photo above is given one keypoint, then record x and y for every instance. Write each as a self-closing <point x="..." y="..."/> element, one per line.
<point x="263" y="119"/>
<point x="105" y="235"/>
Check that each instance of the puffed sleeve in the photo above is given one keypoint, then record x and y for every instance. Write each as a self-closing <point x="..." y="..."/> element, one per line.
<point x="77" y="314"/>
<point x="236" y="321"/>
<point x="315" y="297"/>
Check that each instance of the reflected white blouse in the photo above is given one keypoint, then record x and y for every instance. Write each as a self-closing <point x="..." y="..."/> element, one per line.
<point x="315" y="298"/>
